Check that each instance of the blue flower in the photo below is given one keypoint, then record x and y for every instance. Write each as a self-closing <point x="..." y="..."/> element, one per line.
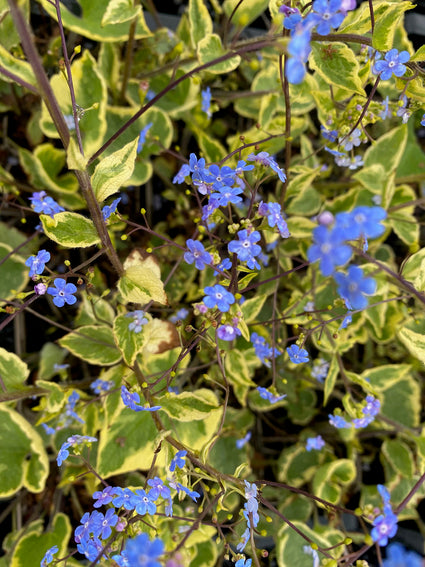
<point x="62" y="292"/>
<point x="385" y="527"/>
<point x="91" y="547"/>
<point x="103" y="497"/>
<point x="225" y="264"/>
<point x="315" y="443"/>
<point x="246" y="249"/>
<point x="142" y="136"/>
<point x="63" y="453"/>
<point x="158" y="489"/>
<point x="37" y="263"/>
<point x="98" y="386"/>
<point x="329" y="248"/>
<point x="228" y="332"/>
<point x="143" y="503"/>
<point x="142" y="552"/>
<point x="243" y="562"/>
<point x="353" y="287"/>
<point x="139" y="320"/>
<point x="182" y="173"/>
<point x="227" y="195"/>
<point x="423" y="120"/>
<point x="274" y="218"/>
<point x="48" y="556"/>
<point x="123" y="498"/>
<point x="331" y="135"/>
<point x="241" y="442"/>
<point x="91" y="524"/>
<point x="218" y="296"/>
<point x="178" y="460"/>
<point x="266" y="395"/>
<point x="320" y="370"/>
<point x="132" y="401"/>
<point x="206" y="101"/>
<point x="265" y="159"/>
<point x="262" y="349"/>
<point x="398" y="556"/>
<point x="326" y="15"/>
<point x="392" y="64"/>
<point x="109" y="520"/>
<point x="109" y="209"/>
<point x="353" y="139"/>
<point x="297" y="354"/>
<point x="197" y="254"/>
<point x="191" y="493"/>
<point x="339" y="422"/>
<point x="362" y="221"/>
<point x="46" y="205"/>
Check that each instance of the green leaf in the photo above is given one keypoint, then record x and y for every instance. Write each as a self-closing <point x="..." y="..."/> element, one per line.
<point x="92" y="343"/>
<point x="126" y="443"/>
<point x="50" y="355"/>
<point x="337" y="65"/>
<point x="246" y="12"/>
<point x="252" y="307"/>
<point x="199" y="20"/>
<point x="91" y="95"/>
<point x="14" y="273"/>
<point x="141" y="281"/>
<point x="13" y="371"/>
<point x="388" y="150"/>
<point x="399" y="456"/>
<point x="210" y="48"/>
<point x="238" y="373"/>
<point x="129" y="342"/>
<point x="54" y="399"/>
<point x="303" y="199"/>
<point x="372" y="177"/>
<point x="386" y="25"/>
<point x="297" y="466"/>
<point x="419" y="55"/>
<point x="23" y="459"/>
<point x="399" y="392"/>
<point x="87" y="23"/>
<point x="212" y="150"/>
<point x="414" y="270"/>
<point x="290" y="545"/>
<point x="414" y="341"/>
<point x="330" y="379"/>
<point x="189" y="406"/>
<point x="45" y="166"/>
<point x="18" y="67"/>
<point x="32" y="546"/>
<point x="330" y="477"/>
<point x="113" y="171"/>
<point x="71" y="230"/>
<point x="120" y="11"/>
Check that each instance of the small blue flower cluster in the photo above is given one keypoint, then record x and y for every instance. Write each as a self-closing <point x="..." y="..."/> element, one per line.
<point x="250" y="513"/>
<point x="132" y="401"/>
<point x="45" y="205"/>
<point x="223" y="186"/>
<point x="369" y="411"/>
<point x="325" y="16"/>
<point x="139" y="320"/>
<point x="315" y="443"/>
<point x="385" y="525"/>
<point x="68" y="415"/>
<point x="263" y="350"/>
<point x="270" y="396"/>
<point x="63" y="453"/>
<point x="330" y="247"/>
<point x="398" y="556"/>
<point x="320" y="370"/>
<point x="96" y="527"/>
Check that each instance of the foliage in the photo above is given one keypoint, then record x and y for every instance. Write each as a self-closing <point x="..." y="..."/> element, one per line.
<point x="212" y="261"/>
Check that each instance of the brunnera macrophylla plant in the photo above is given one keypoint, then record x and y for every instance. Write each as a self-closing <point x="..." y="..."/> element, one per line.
<point x="212" y="264"/>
